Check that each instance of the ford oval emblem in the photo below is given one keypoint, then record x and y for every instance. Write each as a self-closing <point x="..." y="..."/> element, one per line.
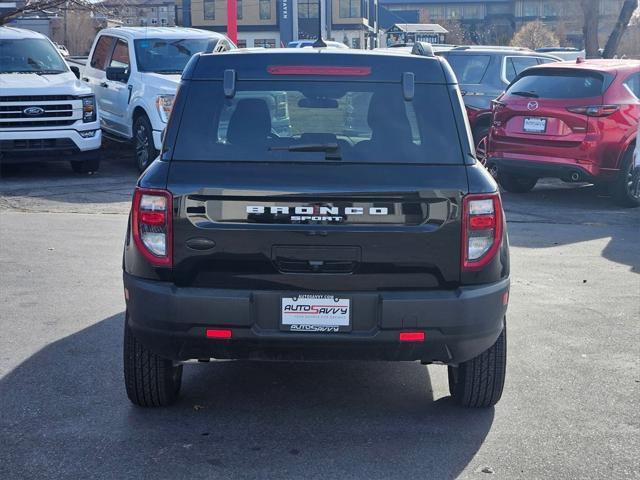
<point x="532" y="105"/>
<point x="33" y="111"/>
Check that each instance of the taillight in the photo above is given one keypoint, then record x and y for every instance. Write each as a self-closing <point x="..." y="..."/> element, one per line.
<point x="595" y="110"/>
<point x="151" y="225"/>
<point x="481" y="229"/>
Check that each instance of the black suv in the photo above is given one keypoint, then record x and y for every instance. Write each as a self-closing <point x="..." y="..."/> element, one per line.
<point x="329" y="243"/>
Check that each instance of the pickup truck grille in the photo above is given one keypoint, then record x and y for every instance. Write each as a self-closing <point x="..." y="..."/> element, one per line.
<point x="50" y="111"/>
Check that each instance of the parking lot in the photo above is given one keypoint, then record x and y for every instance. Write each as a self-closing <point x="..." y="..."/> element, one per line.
<point x="569" y="408"/>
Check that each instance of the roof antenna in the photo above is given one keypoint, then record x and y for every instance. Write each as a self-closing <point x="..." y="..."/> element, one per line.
<point x="319" y="43"/>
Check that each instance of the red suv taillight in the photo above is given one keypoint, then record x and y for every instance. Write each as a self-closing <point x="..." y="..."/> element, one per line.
<point x="151" y="225"/>
<point x="595" y="110"/>
<point x="481" y="229"/>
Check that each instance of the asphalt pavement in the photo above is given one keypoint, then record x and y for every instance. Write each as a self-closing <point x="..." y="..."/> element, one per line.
<point x="570" y="407"/>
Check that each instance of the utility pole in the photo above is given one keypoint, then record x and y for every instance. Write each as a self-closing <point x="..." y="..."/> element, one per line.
<point x="66" y="8"/>
<point x="232" y="21"/>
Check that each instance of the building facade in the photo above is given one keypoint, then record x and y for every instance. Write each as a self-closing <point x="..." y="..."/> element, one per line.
<point x="144" y="13"/>
<point x="274" y="23"/>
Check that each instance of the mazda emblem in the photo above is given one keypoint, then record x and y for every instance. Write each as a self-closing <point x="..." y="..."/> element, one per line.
<point x="532" y="105"/>
<point x="33" y="111"/>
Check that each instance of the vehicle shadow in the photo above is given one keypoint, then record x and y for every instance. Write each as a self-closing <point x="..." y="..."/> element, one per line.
<point x="555" y="214"/>
<point x="36" y="185"/>
<point x="66" y="414"/>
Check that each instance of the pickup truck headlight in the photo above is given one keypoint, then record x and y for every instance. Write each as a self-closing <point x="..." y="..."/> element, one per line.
<point x="89" y="112"/>
<point x="164" y="103"/>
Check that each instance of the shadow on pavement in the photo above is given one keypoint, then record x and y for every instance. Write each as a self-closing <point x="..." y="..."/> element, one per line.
<point x="555" y="214"/>
<point x="235" y="419"/>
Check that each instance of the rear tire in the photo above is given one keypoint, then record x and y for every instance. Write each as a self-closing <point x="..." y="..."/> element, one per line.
<point x="151" y="381"/>
<point x="516" y="184"/>
<point x="480" y="137"/>
<point x="145" y="151"/>
<point x="85" y="166"/>
<point x="626" y="188"/>
<point x="478" y="383"/>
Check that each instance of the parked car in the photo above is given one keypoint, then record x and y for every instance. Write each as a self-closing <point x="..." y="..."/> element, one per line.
<point x="45" y="111"/>
<point x="309" y="43"/>
<point x="564" y="53"/>
<point x="386" y="244"/>
<point x="484" y="72"/>
<point x="573" y="121"/>
<point x="134" y="72"/>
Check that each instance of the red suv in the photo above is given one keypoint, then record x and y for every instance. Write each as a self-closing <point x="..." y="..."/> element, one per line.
<point x="573" y="121"/>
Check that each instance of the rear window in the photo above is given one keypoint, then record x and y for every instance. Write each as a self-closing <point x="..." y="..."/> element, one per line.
<point x="559" y="84"/>
<point x="469" y="68"/>
<point x="316" y="121"/>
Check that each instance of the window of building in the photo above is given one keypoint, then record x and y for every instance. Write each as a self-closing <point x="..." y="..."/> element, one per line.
<point x="101" y="52"/>
<point x="120" y="56"/>
<point x="350" y="9"/>
<point x="209" y="9"/>
<point x="154" y="21"/>
<point x="264" y="42"/>
<point x="550" y="9"/>
<point x="435" y="12"/>
<point x="472" y="11"/>
<point x="163" y="21"/>
<point x="265" y="9"/>
<point x="355" y="42"/>
<point x="530" y="9"/>
<point x="242" y="44"/>
<point x="239" y="9"/>
<point x="308" y="9"/>
<point x="153" y="9"/>
<point x="163" y="9"/>
<point x="454" y="12"/>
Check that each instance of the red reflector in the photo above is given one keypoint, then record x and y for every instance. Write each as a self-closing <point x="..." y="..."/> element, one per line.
<point x="152" y="218"/>
<point x="218" y="333"/>
<point x="412" y="336"/>
<point x="311" y="70"/>
<point x="505" y="298"/>
<point x="479" y="222"/>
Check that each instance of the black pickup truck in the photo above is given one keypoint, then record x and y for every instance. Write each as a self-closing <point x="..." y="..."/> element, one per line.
<point x="326" y="243"/>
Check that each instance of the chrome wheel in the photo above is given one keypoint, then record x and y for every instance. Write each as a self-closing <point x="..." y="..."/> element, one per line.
<point x="633" y="183"/>
<point x="142" y="146"/>
<point x="481" y="150"/>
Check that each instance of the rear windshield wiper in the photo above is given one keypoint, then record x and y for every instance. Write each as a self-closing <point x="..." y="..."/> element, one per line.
<point x="525" y="94"/>
<point x="332" y="149"/>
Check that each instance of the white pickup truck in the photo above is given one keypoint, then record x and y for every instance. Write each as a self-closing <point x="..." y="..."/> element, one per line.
<point x="134" y="73"/>
<point x="46" y="113"/>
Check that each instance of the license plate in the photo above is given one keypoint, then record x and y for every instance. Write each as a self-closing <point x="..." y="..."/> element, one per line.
<point x="535" y="125"/>
<point x="315" y="313"/>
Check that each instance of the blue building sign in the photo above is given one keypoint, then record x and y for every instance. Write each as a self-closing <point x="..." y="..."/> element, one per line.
<point x="286" y="21"/>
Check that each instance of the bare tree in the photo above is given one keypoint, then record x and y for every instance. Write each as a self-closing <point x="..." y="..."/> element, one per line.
<point x="534" y="35"/>
<point x="48" y="6"/>
<point x="624" y="18"/>
<point x="591" y="12"/>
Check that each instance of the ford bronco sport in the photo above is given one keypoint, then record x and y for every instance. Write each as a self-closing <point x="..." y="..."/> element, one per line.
<point x="386" y="243"/>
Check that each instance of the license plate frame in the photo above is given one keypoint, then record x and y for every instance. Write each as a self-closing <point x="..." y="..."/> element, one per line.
<point x="315" y="313"/>
<point x="534" y="125"/>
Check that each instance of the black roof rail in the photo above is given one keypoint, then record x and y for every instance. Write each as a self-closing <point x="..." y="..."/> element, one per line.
<point x="423" y="49"/>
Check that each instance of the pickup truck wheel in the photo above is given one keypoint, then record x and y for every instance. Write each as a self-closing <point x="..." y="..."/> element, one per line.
<point x="85" y="166"/>
<point x="626" y="188"/>
<point x="143" y="142"/>
<point x="516" y="184"/>
<point x="478" y="383"/>
<point x="151" y="381"/>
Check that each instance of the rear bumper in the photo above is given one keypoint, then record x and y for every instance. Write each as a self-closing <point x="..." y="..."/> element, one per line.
<point x="458" y="324"/>
<point x="565" y="170"/>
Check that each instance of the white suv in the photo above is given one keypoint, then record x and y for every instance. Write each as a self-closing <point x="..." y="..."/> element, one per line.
<point x="45" y="111"/>
<point x="134" y="73"/>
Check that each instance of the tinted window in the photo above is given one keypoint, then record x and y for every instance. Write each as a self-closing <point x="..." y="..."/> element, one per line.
<point x="101" y="52"/>
<point x="469" y="68"/>
<point x="169" y="55"/>
<point x="315" y="121"/>
<point x="120" y="57"/>
<point x="514" y="66"/>
<point x="558" y="84"/>
<point x="633" y="84"/>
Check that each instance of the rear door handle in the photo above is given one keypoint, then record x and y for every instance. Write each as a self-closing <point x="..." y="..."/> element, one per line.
<point x="104" y="84"/>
